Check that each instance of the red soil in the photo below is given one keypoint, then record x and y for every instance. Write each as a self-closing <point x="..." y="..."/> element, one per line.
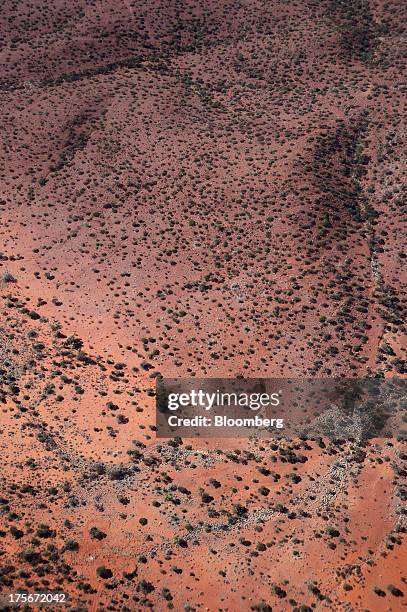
<point x="214" y="189"/>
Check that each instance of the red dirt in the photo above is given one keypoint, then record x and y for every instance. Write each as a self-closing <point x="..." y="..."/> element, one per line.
<point x="214" y="189"/>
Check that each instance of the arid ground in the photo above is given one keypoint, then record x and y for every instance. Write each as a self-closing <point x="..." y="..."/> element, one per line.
<point x="210" y="189"/>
